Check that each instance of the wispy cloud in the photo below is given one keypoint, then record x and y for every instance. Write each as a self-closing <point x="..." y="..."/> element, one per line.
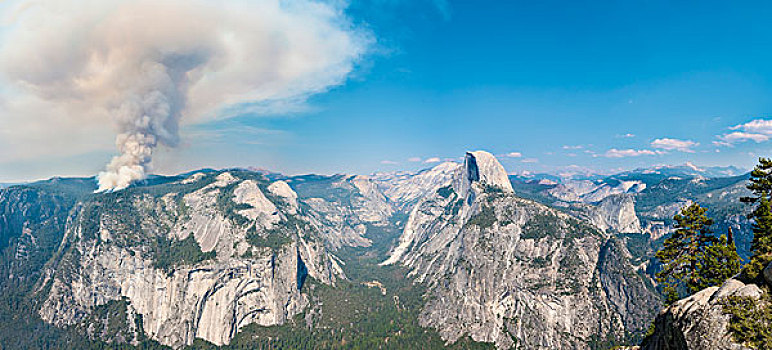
<point x="760" y="126"/>
<point x="414" y="159"/>
<point x="432" y="160"/>
<point x="621" y="153"/>
<point x="513" y="155"/>
<point x="674" y="145"/>
<point x="758" y="130"/>
<point x="389" y="162"/>
<point x="443" y="7"/>
<point x="740" y="136"/>
<point x="626" y="136"/>
<point x="573" y="147"/>
<point x="530" y="160"/>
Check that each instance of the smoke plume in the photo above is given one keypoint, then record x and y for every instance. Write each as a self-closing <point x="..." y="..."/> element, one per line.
<point x="145" y="65"/>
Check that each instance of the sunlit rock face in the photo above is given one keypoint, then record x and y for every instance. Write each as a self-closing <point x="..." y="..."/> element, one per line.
<point x="201" y="257"/>
<point x="498" y="267"/>
<point x="404" y="189"/>
<point x="699" y="321"/>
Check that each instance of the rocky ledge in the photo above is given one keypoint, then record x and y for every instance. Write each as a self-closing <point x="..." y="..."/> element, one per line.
<point x="700" y="321"/>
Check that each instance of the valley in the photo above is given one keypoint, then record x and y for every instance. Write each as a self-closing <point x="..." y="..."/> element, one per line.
<point x="457" y="256"/>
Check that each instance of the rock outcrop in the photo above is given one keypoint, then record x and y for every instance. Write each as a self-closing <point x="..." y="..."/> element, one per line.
<point x="483" y="169"/>
<point x="699" y="322"/>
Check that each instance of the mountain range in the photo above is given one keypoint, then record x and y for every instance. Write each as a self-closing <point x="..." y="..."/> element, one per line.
<point x="459" y="255"/>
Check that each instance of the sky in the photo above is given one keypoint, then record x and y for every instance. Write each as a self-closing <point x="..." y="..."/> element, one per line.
<point x="547" y="86"/>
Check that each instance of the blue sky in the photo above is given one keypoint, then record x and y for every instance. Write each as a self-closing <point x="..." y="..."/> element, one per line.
<point x="557" y="85"/>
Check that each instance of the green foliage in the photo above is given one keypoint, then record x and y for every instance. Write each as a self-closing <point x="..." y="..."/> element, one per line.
<point x="692" y="257"/>
<point x="485" y="218"/>
<point x="169" y="253"/>
<point x="718" y="262"/>
<point x="281" y="234"/>
<point x="533" y="190"/>
<point x="274" y="238"/>
<point x="541" y="225"/>
<point x="750" y="320"/>
<point x="640" y="246"/>
<point x="330" y="188"/>
<point x="548" y="224"/>
<point x="760" y="184"/>
<point x="677" y="190"/>
<point x="493" y="190"/>
<point x="111" y="321"/>
<point x="226" y="205"/>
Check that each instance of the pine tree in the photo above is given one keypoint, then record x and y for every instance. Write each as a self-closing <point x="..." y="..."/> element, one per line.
<point x="761" y="246"/>
<point x="719" y="262"/>
<point x="760" y="185"/>
<point x="682" y="252"/>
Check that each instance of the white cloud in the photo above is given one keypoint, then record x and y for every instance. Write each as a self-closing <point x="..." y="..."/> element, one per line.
<point x="513" y="155"/>
<point x="569" y="147"/>
<point x="758" y="130"/>
<point x="389" y="162"/>
<point x="626" y="136"/>
<point x="759" y="126"/>
<point x="620" y="153"/>
<point x="530" y="160"/>
<point x="433" y="160"/>
<point x="739" y="136"/>
<point x="414" y="159"/>
<point x="674" y="145"/>
<point x="69" y="68"/>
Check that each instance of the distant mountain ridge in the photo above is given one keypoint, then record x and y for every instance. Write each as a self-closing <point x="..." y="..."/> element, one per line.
<point x="654" y="173"/>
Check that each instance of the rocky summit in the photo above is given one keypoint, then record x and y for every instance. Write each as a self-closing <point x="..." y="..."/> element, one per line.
<point x="459" y="255"/>
<point x="499" y="267"/>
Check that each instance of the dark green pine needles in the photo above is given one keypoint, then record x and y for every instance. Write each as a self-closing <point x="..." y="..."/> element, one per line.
<point x="693" y="258"/>
<point x="761" y="246"/>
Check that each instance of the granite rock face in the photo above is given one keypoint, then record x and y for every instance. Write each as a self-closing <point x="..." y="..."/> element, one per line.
<point x="196" y="258"/>
<point x="586" y="191"/>
<point x="698" y="322"/>
<point x="481" y="168"/>
<point x="613" y="214"/>
<point x="406" y="189"/>
<point x="343" y="206"/>
<point x="211" y="301"/>
<point x="499" y="267"/>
